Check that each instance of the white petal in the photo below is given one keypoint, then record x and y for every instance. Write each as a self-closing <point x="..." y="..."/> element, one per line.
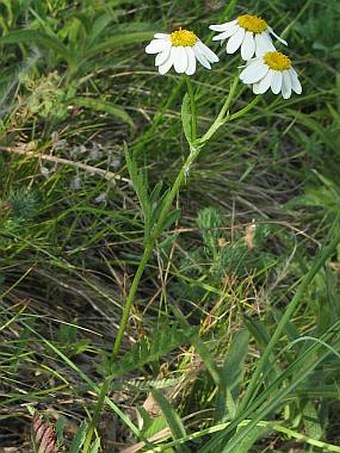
<point x="208" y="53"/>
<point x="256" y="88"/>
<point x="163" y="56"/>
<point x="264" y="84"/>
<point x="277" y="36"/>
<point x="254" y="72"/>
<point x="227" y="33"/>
<point x="236" y="40"/>
<point x="263" y="43"/>
<point x="162" y="36"/>
<point x="296" y="85"/>
<point x="180" y="59"/>
<point x="276" y="83"/>
<point x="155" y="46"/>
<point x="164" y="68"/>
<point x="286" y="85"/>
<point x="248" y="46"/>
<point x="191" y="61"/>
<point x="223" y="27"/>
<point x="201" y="57"/>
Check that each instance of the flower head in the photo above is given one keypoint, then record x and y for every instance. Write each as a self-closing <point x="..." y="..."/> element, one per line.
<point x="249" y="32"/>
<point x="272" y="70"/>
<point x="180" y="49"/>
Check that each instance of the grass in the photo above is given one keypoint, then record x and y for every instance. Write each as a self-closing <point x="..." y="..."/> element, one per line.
<point x="232" y="342"/>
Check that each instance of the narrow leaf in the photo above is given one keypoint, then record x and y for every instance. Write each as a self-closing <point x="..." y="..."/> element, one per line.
<point x="232" y="373"/>
<point x="38" y="38"/>
<point x="118" y="41"/>
<point x="105" y="107"/>
<point x="174" y="421"/>
<point x="140" y="186"/>
<point x="79" y="438"/>
<point x="186" y="118"/>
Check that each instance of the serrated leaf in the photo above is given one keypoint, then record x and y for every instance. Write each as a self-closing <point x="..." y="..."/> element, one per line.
<point x="149" y="350"/>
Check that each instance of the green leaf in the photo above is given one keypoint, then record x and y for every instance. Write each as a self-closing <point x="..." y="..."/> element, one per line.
<point x="232" y="372"/>
<point x="140" y="186"/>
<point x="249" y="440"/>
<point x="119" y="40"/>
<point x="311" y="421"/>
<point x="38" y="38"/>
<point x="171" y="218"/>
<point x="174" y="421"/>
<point x="156" y="191"/>
<point x="105" y="107"/>
<point x="79" y="438"/>
<point x="200" y="347"/>
<point x="98" y="27"/>
<point x="186" y="118"/>
<point x="95" y="446"/>
<point x="149" y="350"/>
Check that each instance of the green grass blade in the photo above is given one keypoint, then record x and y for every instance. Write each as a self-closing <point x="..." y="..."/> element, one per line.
<point x="105" y="107"/>
<point x="174" y="422"/>
<point x="39" y="38"/>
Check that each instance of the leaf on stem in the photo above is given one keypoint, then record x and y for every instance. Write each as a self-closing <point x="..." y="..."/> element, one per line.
<point x="187" y="118"/>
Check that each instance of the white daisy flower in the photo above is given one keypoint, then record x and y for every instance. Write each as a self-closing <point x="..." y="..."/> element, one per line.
<point x="272" y="70"/>
<point x="180" y="49"/>
<point x="249" y="32"/>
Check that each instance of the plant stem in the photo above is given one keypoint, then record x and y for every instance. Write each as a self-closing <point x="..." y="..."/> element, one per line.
<point x="130" y="299"/>
<point x="192" y="107"/>
<point x="149" y="247"/>
<point x="195" y="148"/>
<point x="194" y="152"/>
<point x="221" y="117"/>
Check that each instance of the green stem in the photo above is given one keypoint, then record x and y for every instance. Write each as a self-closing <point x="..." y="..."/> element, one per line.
<point x="245" y="109"/>
<point x="195" y="149"/>
<point x="193" y="107"/>
<point x="99" y="406"/>
<point x="221" y="117"/>
<point x="149" y="247"/>
<point x="130" y="299"/>
<point x="194" y="152"/>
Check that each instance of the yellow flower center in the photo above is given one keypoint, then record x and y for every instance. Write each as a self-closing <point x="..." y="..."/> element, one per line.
<point x="252" y="23"/>
<point x="277" y="61"/>
<point x="183" y="38"/>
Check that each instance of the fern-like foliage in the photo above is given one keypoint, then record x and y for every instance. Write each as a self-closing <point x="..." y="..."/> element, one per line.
<point x="23" y="204"/>
<point x="151" y="349"/>
<point x="225" y="254"/>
